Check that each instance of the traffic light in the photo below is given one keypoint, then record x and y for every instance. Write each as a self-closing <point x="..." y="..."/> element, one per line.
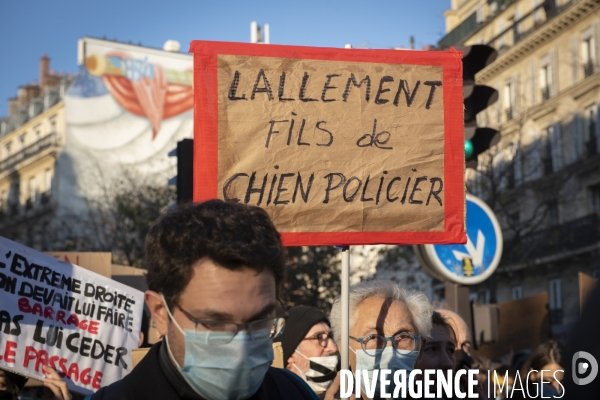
<point x="184" y="180"/>
<point x="476" y="99"/>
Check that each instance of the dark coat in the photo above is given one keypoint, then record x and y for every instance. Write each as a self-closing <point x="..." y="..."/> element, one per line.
<point x="148" y="381"/>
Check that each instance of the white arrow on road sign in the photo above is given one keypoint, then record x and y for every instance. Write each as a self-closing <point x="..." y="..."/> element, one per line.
<point x="475" y="252"/>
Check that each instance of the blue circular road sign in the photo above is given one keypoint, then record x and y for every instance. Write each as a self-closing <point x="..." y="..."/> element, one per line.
<point x="475" y="261"/>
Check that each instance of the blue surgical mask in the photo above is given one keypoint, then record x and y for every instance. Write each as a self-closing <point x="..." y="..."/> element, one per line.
<point x="232" y="371"/>
<point x="389" y="358"/>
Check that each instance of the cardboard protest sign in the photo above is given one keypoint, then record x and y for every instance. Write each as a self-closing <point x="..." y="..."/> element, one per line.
<point x="55" y="313"/>
<point x="339" y="146"/>
<point x="98" y="262"/>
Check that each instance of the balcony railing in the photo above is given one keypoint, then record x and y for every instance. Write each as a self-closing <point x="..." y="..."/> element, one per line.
<point x="29" y="151"/>
<point x="545" y="93"/>
<point x="513" y="34"/>
<point x="569" y="236"/>
<point x="588" y="68"/>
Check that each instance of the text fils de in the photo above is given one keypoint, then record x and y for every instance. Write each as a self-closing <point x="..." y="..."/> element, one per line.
<point x="287" y="187"/>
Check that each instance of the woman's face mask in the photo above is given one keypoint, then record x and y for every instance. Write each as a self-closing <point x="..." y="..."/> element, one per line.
<point x="321" y="373"/>
<point x="389" y="358"/>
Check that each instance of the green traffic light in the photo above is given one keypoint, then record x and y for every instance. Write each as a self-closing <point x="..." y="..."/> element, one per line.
<point x="468" y="149"/>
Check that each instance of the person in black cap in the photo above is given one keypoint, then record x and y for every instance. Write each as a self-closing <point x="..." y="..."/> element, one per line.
<point x="308" y="347"/>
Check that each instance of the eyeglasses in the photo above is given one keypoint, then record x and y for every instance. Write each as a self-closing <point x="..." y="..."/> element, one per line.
<point x="223" y="332"/>
<point x="374" y="344"/>
<point x="323" y="338"/>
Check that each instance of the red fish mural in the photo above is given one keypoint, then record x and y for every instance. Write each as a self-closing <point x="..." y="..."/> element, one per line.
<point x="143" y="88"/>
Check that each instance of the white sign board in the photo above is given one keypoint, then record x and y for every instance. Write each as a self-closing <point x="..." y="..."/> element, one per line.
<point x="58" y="314"/>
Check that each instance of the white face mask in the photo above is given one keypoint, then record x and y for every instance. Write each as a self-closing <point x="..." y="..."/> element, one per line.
<point x="321" y="373"/>
<point x="233" y="371"/>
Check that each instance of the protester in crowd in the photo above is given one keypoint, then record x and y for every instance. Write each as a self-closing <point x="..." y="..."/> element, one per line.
<point x="504" y="380"/>
<point x="308" y="347"/>
<point x="584" y="347"/>
<point x="384" y="318"/>
<point x="547" y="357"/>
<point x="438" y="351"/>
<point x="11" y="385"/>
<point x="214" y="272"/>
<point x="463" y="354"/>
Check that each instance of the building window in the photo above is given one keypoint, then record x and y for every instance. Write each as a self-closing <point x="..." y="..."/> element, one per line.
<point x="502" y="39"/>
<point x="538" y="15"/>
<point x="591" y="142"/>
<point x="484" y="297"/>
<point x="518" y="25"/>
<point x="555" y="294"/>
<point x="588" y="51"/>
<point x="517" y="292"/>
<point x="53" y="125"/>
<point x="546" y="80"/>
<point x="479" y="16"/>
<point x="514" y="219"/>
<point x="4" y="200"/>
<point x="594" y="193"/>
<point x="509" y="100"/>
<point x="552" y="212"/>
<point x="547" y="152"/>
<point x="47" y="180"/>
<point x="32" y="192"/>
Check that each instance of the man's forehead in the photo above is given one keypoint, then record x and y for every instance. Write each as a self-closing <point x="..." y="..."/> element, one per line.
<point x="240" y="294"/>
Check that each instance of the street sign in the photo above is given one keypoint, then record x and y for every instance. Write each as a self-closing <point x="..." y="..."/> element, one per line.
<point x="475" y="261"/>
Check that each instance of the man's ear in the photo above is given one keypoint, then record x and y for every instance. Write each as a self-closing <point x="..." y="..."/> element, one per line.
<point x="158" y="309"/>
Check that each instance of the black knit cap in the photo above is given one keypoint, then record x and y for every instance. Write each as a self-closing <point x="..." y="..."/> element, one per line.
<point x="300" y="320"/>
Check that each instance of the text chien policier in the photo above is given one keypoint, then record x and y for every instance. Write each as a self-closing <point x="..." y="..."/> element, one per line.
<point x="285" y="187"/>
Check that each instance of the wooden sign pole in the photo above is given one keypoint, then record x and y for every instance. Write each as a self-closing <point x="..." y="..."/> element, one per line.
<point x="345" y="300"/>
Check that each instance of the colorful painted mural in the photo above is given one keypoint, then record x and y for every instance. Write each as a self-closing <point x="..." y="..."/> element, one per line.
<point x="129" y="105"/>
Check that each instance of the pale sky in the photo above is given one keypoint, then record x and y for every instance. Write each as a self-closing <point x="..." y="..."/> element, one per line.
<point x="31" y="28"/>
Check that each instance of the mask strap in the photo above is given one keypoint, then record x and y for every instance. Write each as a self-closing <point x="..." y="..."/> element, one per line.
<point x="171" y="315"/>
<point x="167" y="336"/>
<point x="319" y="368"/>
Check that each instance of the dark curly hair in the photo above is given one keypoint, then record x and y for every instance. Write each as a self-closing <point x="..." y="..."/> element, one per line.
<point x="232" y="235"/>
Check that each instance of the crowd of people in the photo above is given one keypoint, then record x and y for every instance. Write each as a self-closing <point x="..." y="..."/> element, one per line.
<point x="214" y="275"/>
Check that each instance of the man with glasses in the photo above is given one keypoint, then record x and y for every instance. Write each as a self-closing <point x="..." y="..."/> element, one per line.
<point x="308" y="347"/>
<point x="214" y="271"/>
<point x="387" y="328"/>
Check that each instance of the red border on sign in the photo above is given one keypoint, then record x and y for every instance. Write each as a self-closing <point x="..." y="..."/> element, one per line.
<point x="206" y="133"/>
